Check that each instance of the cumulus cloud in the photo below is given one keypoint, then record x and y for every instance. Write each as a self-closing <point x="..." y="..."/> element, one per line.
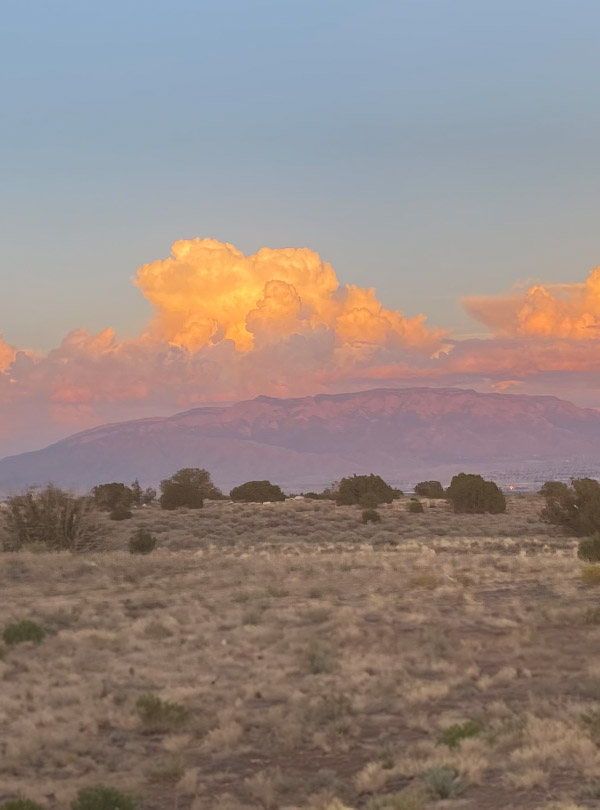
<point x="569" y="311"/>
<point x="229" y="327"/>
<point x="208" y="292"/>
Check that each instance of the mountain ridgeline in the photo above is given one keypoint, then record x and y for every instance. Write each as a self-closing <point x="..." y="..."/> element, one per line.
<point x="405" y="435"/>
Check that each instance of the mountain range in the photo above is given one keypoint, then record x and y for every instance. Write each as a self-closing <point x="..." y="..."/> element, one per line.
<point x="304" y="444"/>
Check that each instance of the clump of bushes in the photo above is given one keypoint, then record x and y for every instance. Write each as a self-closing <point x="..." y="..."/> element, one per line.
<point x="188" y="487"/>
<point x="48" y="518"/>
<point x="25" y="630"/>
<point x="470" y="494"/>
<point x="575" y="507"/>
<point x="161" y="715"/>
<point x="257" y="492"/>
<point x="589" y="549"/>
<point x="112" y="497"/>
<point x="99" y="797"/>
<point x="367" y="491"/>
<point x="142" y="542"/>
<point x="415" y="506"/>
<point x="371" y="516"/>
<point x="430" y="489"/>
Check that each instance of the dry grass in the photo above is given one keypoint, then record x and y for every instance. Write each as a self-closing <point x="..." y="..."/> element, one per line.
<point x="319" y="661"/>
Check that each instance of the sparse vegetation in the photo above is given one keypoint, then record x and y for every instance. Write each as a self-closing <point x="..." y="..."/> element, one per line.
<point x="456" y="733"/>
<point x="408" y="799"/>
<point x="20" y="804"/>
<point x="257" y="492"/>
<point x="443" y="783"/>
<point x="22" y="631"/>
<point x="100" y="797"/>
<point x="282" y="637"/>
<point x="160" y="715"/>
<point x="470" y="494"/>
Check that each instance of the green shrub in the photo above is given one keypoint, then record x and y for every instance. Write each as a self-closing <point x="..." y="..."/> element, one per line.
<point x="364" y="490"/>
<point x="111" y="497"/>
<point x="370" y="516"/>
<point x="20" y="804"/>
<point x="576" y="508"/>
<point x="48" y="518"/>
<point x="142" y="542"/>
<point x="442" y="783"/>
<point x="257" y="492"/>
<point x="553" y="489"/>
<point x="415" y="506"/>
<point x="430" y="489"/>
<point x="188" y="487"/>
<point x="121" y="512"/>
<point x="25" y="630"/>
<point x="455" y="734"/>
<point x="160" y="715"/>
<point x="471" y="494"/>
<point x="589" y="549"/>
<point x="100" y="797"/>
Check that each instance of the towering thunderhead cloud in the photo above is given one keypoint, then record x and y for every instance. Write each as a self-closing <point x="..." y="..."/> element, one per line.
<point x="209" y="292"/>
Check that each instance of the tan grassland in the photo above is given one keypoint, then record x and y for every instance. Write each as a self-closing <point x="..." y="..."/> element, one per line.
<point x="319" y="660"/>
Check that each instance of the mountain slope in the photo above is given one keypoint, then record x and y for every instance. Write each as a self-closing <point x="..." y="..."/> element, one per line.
<point x="402" y="434"/>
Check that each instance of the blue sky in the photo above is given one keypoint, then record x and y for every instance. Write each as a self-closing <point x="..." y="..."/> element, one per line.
<point x="431" y="149"/>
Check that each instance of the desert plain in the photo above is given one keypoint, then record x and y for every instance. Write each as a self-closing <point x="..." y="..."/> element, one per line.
<point x="307" y="661"/>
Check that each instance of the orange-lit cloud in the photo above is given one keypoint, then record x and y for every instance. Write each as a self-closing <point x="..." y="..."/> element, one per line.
<point x="228" y="327"/>
<point x="7" y="354"/>
<point x="208" y="292"/>
<point x="569" y="311"/>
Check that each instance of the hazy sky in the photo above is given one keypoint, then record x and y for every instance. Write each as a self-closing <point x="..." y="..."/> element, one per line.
<point x="431" y="148"/>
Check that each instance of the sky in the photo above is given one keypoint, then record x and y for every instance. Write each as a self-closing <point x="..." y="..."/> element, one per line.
<point x="442" y="152"/>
